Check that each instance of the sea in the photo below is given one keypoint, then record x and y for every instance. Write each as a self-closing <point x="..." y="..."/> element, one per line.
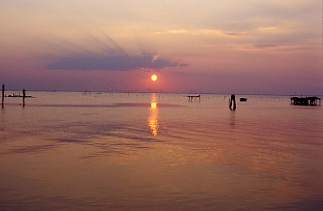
<point x="159" y="151"/>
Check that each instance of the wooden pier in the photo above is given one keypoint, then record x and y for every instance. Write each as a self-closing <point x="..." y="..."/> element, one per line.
<point x="306" y="101"/>
<point x="23" y="96"/>
<point x="191" y="97"/>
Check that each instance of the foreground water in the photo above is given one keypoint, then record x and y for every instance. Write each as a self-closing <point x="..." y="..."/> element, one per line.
<point x="159" y="152"/>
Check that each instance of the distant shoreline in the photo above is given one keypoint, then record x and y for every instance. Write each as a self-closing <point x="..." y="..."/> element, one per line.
<point x="143" y="92"/>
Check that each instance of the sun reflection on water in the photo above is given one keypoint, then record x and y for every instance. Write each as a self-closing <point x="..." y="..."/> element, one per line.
<point x="153" y="115"/>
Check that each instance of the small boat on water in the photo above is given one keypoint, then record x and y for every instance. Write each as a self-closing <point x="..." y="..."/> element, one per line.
<point x="243" y="99"/>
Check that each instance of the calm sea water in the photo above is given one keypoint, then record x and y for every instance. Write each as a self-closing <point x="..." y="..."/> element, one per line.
<point x="105" y="151"/>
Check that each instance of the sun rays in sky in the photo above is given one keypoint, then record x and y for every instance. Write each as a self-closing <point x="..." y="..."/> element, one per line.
<point x="268" y="47"/>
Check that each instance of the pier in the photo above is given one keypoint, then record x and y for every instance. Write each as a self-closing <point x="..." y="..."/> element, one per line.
<point x="191" y="97"/>
<point x="23" y="96"/>
<point x="306" y="101"/>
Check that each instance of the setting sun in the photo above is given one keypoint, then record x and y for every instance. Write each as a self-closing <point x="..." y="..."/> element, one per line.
<point x="154" y="77"/>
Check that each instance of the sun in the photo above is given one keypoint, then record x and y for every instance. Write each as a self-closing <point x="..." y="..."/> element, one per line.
<point x="154" y="77"/>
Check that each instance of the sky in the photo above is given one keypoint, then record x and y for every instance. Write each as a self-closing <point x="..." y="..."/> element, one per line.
<point x="193" y="46"/>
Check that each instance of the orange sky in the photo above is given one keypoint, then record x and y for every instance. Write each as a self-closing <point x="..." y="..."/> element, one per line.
<point x="251" y="47"/>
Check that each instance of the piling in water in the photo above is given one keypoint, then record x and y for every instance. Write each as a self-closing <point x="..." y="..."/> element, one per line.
<point x="23" y="97"/>
<point x="2" y="96"/>
<point x="233" y="104"/>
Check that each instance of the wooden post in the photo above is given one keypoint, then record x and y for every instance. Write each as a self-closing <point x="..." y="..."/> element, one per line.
<point x="2" y="95"/>
<point x="233" y="105"/>
<point x="23" y="97"/>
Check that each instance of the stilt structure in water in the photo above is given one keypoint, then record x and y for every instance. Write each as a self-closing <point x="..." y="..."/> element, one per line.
<point x="23" y="96"/>
<point x="306" y="101"/>
<point x="190" y="97"/>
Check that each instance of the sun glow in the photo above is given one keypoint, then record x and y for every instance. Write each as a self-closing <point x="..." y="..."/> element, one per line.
<point x="153" y="105"/>
<point x="154" y="77"/>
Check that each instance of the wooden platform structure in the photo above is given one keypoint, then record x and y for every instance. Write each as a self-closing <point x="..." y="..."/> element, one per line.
<point x="306" y="101"/>
<point x="23" y="96"/>
<point x="191" y="97"/>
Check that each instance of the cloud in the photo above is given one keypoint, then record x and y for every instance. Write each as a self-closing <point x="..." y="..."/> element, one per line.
<point x="208" y="32"/>
<point x="184" y="65"/>
<point x="113" y="63"/>
<point x="235" y="34"/>
<point x="264" y="46"/>
<point x="177" y="31"/>
<point x="104" y="54"/>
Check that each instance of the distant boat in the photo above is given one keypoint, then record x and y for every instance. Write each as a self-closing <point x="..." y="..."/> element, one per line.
<point x="243" y="99"/>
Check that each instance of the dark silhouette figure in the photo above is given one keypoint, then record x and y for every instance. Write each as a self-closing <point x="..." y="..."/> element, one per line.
<point x="232" y="104"/>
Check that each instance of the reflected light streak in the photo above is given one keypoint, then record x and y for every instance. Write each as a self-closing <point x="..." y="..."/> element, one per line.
<point x="153" y="115"/>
